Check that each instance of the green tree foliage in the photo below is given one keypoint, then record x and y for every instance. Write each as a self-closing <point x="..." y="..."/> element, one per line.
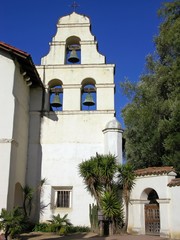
<point x="110" y="204"/>
<point x="152" y="117"/>
<point x="11" y="222"/>
<point x="98" y="173"/>
<point x="126" y="178"/>
<point x="100" y="176"/>
<point x="59" y="224"/>
<point x="27" y="201"/>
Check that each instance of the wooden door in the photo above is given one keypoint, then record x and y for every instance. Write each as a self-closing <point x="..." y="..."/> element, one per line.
<point x="152" y="219"/>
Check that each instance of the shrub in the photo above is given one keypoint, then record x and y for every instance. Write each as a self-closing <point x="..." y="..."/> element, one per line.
<point x="63" y="231"/>
<point x="42" y="227"/>
<point x="77" y="229"/>
<point x="58" y="222"/>
<point x="28" y="226"/>
<point x="11" y="222"/>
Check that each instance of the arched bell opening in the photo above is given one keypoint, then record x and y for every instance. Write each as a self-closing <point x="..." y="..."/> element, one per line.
<point x="73" y="50"/>
<point x="88" y="95"/>
<point x="56" y="95"/>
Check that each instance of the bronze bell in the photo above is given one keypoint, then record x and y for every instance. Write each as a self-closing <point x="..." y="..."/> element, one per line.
<point x="73" y="56"/>
<point x="56" y="101"/>
<point x="89" y="100"/>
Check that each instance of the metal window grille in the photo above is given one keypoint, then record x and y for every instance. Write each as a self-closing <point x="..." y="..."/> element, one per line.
<point x="63" y="199"/>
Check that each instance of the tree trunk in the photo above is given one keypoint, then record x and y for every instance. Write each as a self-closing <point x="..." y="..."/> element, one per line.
<point x="111" y="227"/>
<point x="6" y="233"/>
<point x="96" y="197"/>
<point x="101" y="228"/>
<point x="127" y="213"/>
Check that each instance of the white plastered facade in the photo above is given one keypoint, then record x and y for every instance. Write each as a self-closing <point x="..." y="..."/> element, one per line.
<point x="168" y="198"/>
<point x="14" y="123"/>
<point x="72" y="135"/>
<point x="37" y="143"/>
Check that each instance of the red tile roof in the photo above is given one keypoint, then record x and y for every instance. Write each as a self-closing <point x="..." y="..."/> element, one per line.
<point x="25" y="62"/>
<point x="154" y="171"/>
<point x="174" y="182"/>
<point x="9" y="47"/>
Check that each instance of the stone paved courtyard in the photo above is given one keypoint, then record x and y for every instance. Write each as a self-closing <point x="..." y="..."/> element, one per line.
<point x="43" y="236"/>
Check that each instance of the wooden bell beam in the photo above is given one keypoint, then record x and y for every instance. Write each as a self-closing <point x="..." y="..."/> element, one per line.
<point x="88" y="90"/>
<point x="56" y="90"/>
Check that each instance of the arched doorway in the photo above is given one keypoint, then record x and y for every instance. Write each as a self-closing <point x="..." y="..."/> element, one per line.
<point x="152" y="216"/>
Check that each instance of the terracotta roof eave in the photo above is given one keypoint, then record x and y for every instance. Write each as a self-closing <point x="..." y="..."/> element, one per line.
<point x="28" y="66"/>
<point x="154" y="171"/>
<point x="174" y="182"/>
<point x="25" y="61"/>
<point x="35" y="71"/>
<point x="10" y="48"/>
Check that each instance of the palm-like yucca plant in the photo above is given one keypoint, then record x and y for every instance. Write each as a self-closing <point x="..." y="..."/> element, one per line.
<point x="58" y="222"/>
<point x="112" y="209"/>
<point x="11" y="221"/>
<point x="27" y="202"/>
<point x="126" y="178"/>
<point x="99" y="173"/>
<point x="111" y="206"/>
<point x="107" y="169"/>
<point x="89" y="172"/>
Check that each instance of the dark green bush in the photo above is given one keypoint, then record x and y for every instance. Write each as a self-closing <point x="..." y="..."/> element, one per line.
<point x="50" y="227"/>
<point x="63" y="231"/>
<point x="28" y="226"/>
<point x="42" y="227"/>
<point x="76" y="229"/>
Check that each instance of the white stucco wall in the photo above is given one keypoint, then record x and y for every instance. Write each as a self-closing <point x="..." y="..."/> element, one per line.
<point x="73" y="25"/>
<point x="174" y="211"/>
<point x="151" y="181"/>
<point x="66" y="142"/>
<point x="21" y="124"/>
<point x="72" y="77"/>
<point x="168" y="204"/>
<point x="72" y="135"/>
<point x="7" y="69"/>
<point x="14" y="101"/>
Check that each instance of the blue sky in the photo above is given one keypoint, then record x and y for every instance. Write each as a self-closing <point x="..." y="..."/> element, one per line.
<point x="124" y="30"/>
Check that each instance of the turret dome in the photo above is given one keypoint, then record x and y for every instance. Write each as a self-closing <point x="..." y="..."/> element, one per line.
<point x="113" y="124"/>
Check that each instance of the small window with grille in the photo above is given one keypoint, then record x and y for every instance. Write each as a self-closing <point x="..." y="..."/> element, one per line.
<point x="62" y="197"/>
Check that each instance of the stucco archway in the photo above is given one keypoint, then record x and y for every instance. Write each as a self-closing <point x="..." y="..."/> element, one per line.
<point x="151" y="212"/>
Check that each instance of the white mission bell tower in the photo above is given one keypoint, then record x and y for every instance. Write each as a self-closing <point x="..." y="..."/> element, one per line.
<point x="78" y="117"/>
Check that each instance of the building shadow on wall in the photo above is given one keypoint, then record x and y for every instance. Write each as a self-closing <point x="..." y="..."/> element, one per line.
<point x="50" y="114"/>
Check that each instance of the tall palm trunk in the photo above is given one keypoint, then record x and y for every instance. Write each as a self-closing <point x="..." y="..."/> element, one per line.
<point x="6" y="233"/>
<point x="95" y="194"/>
<point x="127" y="214"/>
<point x="126" y="200"/>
